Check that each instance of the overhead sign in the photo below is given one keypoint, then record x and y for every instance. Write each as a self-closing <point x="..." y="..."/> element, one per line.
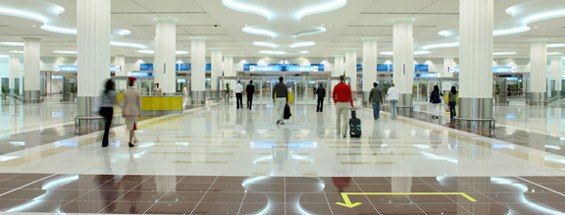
<point x="283" y="68"/>
<point x="495" y="69"/>
<point x="74" y="68"/>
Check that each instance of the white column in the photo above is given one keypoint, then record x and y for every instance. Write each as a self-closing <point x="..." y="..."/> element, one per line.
<point x="448" y="63"/>
<point x="14" y="72"/>
<point x="555" y="72"/>
<point x="351" y="69"/>
<point x="31" y="70"/>
<point x="538" y="73"/>
<point x="229" y="71"/>
<point x="120" y="62"/>
<point x="165" y="57"/>
<point x="93" y="46"/>
<point x="369" y="66"/>
<point x="339" y="68"/>
<point x="475" y="58"/>
<point x="198" y="61"/>
<point x="403" y="59"/>
<point x="216" y="56"/>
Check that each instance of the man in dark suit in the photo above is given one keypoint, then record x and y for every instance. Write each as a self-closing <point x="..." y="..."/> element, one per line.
<point x="250" y="90"/>
<point x="321" y="92"/>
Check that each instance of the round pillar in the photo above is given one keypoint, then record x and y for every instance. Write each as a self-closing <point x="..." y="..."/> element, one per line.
<point x="351" y="70"/>
<point x="403" y="62"/>
<point x="198" y="77"/>
<point x="538" y="74"/>
<point x="165" y="57"/>
<point x="369" y="66"/>
<point x="14" y="72"/>
<point x="93" y="47"/>
<point x="475" y="59"/>
<point x="216" y="56"/>
<point x="32" y="80"/>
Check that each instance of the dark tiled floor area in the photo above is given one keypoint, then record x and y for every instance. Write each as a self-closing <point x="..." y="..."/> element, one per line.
<point x="280" y="195"/>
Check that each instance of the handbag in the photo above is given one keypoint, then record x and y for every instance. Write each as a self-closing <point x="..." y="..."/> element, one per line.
<point x="287" y="113"/>
<point x="135" y="126"/>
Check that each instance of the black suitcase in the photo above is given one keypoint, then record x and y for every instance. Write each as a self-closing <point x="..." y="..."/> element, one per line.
<point x="354" y="125"/>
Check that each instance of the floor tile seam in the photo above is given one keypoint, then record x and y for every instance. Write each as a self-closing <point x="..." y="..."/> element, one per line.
<point x="124" y="194"/>
<point x="203" y="196"/>
<point x="85" y="193"/>
<point x="542" y="186"/>
<point x="25" y="185"/>
<point x="167" y="192"/>
<point x="366" y="197"/>
<point x="449" y="197"/>
<point x="328" y="201"/>
<point x="284" y="195"/>
<point x="241" y="203"/>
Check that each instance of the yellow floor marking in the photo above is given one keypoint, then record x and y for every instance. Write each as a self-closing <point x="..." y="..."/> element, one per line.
<point x="349" y="204"/>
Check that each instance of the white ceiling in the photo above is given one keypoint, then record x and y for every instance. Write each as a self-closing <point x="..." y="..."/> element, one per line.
<point x="346" y="27"/>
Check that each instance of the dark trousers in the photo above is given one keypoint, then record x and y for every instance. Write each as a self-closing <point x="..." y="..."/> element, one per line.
<point x="376" y="110"/>
<point x="108" y="114"/>
<point x="239" y="100"/>
<point x="249" y="101"/>
<point x="320" y="105"/>
<point x="452" y="111"/>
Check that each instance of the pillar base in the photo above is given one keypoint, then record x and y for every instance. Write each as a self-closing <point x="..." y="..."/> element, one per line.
<point x="215" y="95"/>
<point x="405" y="106"/>
<point x="198" y="97"/>
<point x="32" y="96"/>
<point x="365" y="98"/>
<point x="86" y="106"/>
<point x="476" y="115"/>
<point x="536" y="98"/>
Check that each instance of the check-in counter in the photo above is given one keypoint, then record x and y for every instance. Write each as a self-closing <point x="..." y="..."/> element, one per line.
<point x="158" y="103"/>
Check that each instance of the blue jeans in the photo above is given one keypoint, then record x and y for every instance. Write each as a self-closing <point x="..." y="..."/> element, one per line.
<point x="376" y="110"/>
<point x="393" y="111"/>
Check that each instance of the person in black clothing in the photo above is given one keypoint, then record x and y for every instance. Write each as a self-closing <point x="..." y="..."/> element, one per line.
<point x="108" y="100"/>
<point x="250" y="90"/>
<point x="321" y="92"/>
<point x="435" y="99"/>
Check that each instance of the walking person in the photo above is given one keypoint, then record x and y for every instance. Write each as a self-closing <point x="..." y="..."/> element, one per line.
<point x="157" y="91"/>
<point x="392" y="97"/>
<point x="280" y="97"/>
<point x="108" y="100"/>
<point x="453" y="102"/>
<point x="321" y="93"/>
<point x="343" y="100"/>
<point x="131" y="109"/>
<point x="250" y="91"/>
<point x="376" y="99"/>
<point x="239" y="95"/>
<point x="435" y="99"/>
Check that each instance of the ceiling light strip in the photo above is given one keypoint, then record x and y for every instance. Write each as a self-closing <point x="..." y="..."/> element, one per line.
<point x="248" y="8"/>
<point x="320" y="8"/>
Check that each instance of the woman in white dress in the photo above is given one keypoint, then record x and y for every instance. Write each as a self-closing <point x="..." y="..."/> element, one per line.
<point x="131" y="109"/>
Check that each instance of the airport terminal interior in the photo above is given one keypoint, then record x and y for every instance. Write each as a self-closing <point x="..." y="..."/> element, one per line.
<point x="450" y="107"/>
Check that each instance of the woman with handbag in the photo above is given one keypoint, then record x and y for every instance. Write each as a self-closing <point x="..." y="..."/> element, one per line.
<point x="452" y="102"/>
<point x="131" y="110"/>
<point x="435" y="99"/>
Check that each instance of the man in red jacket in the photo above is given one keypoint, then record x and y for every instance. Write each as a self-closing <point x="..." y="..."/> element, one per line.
<point x="343" y="101"/>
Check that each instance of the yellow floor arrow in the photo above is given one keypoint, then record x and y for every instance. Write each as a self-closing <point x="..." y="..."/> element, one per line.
<point x="347" y="201"/>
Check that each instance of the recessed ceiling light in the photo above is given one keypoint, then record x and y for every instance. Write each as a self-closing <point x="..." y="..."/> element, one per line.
<point x="12" y="44"/>
<point x="503" y="53"/>
<point x="16" y="52"/>
<point x="272" y="52"/>
<point x="65" y="52"/>
<point x="265" y="44"/>
<point x="302" y="44"/>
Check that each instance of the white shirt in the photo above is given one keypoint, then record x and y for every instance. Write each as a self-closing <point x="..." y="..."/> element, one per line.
<point x="238" y="88"/>
<point x="392" y="94"/>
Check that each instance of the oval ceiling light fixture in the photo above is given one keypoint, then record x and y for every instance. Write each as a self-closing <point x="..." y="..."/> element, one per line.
<point x="424" y="52"/>
<point x="302" y="44"/>
<point x="20" y="44"/>
<point x="265" y="44"/>
<point x="127" y="45"/>
<point x="258" y="31"/>
<point x="248" y="8"/>
<point x="320" y="8"/>
<point x="65" y="52"/>
<point x="556" y="45"/>
<point x="181" y="52"/>
<point x="554" y="53"/>
<point x="16" y="52"/>
<point x="316" y="30"/>
<point x="59" y="30"/>
<point x="123" y="32"/>
<point x="510" y="31"/>
<point x="387" y="53"/>
<point x="503" y="53"/>
<point x="446" y="33"/>
<point x="272" y="52"/>
<point x="440" y="45"/>
<point x="146" y="51"/>
<point x="23" y="14"/>
<point x="304" y="52"/>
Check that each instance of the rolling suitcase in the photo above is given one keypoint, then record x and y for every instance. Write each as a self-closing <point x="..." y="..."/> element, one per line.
<point x="354" y="125"/>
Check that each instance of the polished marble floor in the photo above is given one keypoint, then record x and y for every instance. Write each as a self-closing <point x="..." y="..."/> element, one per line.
<point x="218" y="160"/>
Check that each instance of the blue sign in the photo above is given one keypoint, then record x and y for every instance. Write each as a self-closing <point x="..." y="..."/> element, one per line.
<point x="421" y="68"/>
<point x="384" y="67"/>
<point x="140" y="74"/>
<point x="74" y="68"/>
<point x="183" y="67"/>
<point x="146" y="67"/>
